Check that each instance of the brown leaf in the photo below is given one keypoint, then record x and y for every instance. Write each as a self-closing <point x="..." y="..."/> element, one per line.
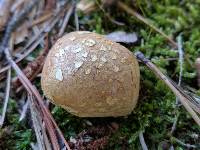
<point x="50" y="4"/>
<point x="4" y="12"/>
<point x="21" y="33"/>
<point x="86" y="6"/>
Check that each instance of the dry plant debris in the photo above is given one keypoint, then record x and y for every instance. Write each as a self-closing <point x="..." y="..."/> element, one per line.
<point x="28" y="29"/>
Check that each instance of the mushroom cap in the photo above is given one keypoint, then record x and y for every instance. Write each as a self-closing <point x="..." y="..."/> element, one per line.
<point x="91" y="76"/>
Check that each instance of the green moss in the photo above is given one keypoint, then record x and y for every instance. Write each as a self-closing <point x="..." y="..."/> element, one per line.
<point x="156" y="109"/>
<point x="155" y="112"/>
<point x="19" y="136"/>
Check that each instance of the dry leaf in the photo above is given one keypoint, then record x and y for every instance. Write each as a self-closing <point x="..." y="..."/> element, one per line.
<point x="86" y="6"/>
<point x="4" y="12"/>
<point x="21" y="33"/>
<point x="122" y="37"/>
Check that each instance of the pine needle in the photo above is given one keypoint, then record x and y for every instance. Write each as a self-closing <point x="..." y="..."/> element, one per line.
<point x="42" y="140"/>
<point x="188" y="101"/>
<point x="145" y="21"/>
<point x="7" y="93"/>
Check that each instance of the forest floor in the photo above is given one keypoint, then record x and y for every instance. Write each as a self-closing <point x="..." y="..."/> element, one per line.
<point x="156" y="111"/>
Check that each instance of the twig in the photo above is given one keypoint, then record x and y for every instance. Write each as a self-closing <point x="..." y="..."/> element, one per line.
<point x="171" y="147"/>
<point x="16" y="5"/>
<point x="142" y="141"/>
<point x="50" y="124"/>
<point x="50" y="4"/>
<point x="7" y="93"/>
<point x="184" y="98"/>
<point x="38" y="127"/>
<point x="175" y="123"/>
<point x="29" y="50"/>
<point x="197" y="65"/>
<point x="24" y="110"/>
<point x="4" y="13"/>
<point x="173" y="139"/>
<point x="35" y="41"/>
<point x="27" y="84"/>
<point x="144" y="20"/>
<point x="76" y="19"/>
<point x="41" y="19"/>
<point x="99" y="138"/>
<point x="32" y="90"/>
<point x="13" y="23"/>
<point x="34" y="146"/>
<point x="180" y="51"/>
<point x="98" y="144"/>
<point x="66" y="19"/>
<point x="108" y="16"/>
<point x="34" y="67"/>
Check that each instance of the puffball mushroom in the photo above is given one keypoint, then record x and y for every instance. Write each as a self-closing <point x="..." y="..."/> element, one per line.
<point x="91" y="76"/>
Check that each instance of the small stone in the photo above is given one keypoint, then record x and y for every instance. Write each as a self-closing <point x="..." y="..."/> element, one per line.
<point x="89" y="42"/>
<point x="78" y="64"/>
<point x="115" y="69"/>
<point x="59" y="75"/>
<point x="94" y="57"/>
<point x="87" y="71"/>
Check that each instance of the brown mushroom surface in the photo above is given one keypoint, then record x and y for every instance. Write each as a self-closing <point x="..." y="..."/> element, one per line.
<point x="91" y="76"/>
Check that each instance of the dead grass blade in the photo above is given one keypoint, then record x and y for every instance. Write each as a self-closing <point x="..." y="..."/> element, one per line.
<point x="144" y="20"/>
<point x="24" y="110"/>
<point x="42" y="140"/>
<point x="184" y="98"/>
<point x="52" y="129"/>
<point x="13" y="23"/>
<point x="32" y="90"/>
<point x="7" y="93"/>
<point x="142" y="141"/>
<point x="36" y="39"/>
<point x="66" y="20"/>
<point x="5" y="6"/>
